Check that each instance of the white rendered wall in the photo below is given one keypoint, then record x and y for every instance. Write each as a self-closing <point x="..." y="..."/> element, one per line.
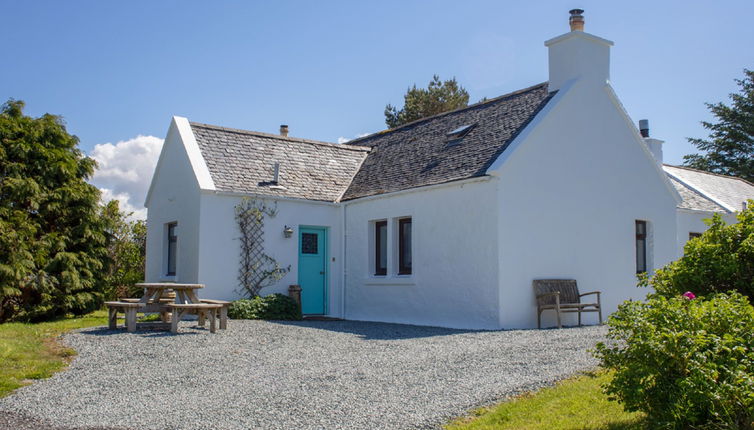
<point x="174" y="197"/>
<point x="454" y="279"/>
<point x="220" y="251"/>
<point x="693" y="222"/>
<point x="570" y="193"/>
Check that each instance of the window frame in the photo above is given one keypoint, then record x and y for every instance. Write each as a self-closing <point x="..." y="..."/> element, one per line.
<point x="641" y="260"/>
<point x="172" y="252"/>
<point x="404" y="270"/>
<point x="380" y="270"/>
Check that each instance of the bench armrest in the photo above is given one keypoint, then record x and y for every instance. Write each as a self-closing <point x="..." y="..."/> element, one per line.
<point x="591" y="292"/>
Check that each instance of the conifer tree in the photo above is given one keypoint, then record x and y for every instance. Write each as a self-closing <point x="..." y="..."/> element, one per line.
<point x="420" y="103"/>
<point x="729" y="149"/>
<point x="52" y="241"/>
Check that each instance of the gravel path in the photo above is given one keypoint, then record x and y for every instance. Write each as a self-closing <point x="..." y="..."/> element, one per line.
<point x="303" y="375"/>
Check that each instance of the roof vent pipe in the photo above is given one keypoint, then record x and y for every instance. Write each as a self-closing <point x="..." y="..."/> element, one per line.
<point x="576" y="20"/>
<point x="644" y="127"/>
<point x="276" y="173"/>
<point x="284" y="130"/>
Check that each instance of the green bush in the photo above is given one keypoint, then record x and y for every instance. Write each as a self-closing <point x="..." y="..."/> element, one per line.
<point x="272" y="307"/>
<point x="686" y="363"/>
<point x="721" y="260"/>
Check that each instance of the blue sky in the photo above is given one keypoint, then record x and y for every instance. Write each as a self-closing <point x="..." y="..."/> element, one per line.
<point x="117" y="70"/>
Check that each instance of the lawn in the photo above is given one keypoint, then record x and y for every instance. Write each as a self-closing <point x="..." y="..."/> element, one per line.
<point x="32" y="351"/>
<point x="576" y="403"/>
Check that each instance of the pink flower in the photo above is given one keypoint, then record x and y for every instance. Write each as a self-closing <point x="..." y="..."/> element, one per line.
<point x="689" y="295"/>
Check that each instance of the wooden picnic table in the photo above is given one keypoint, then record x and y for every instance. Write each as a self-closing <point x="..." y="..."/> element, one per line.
<point x="184" y="293"/>
<point x="170" y="307"/>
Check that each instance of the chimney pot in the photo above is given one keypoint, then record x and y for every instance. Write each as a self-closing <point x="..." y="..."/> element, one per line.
<point x="644" y="127"/>
<point x="576" y="20"/>
<point x="284" y="130"/>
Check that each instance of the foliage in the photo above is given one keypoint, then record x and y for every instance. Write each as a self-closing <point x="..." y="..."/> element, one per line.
<point x="576" y="403"/>
<point x="684" y="362"/>
<point x="273" y="307"/>
<point x="720" y="260"/>
<point x="420" y="103"/>
<point x="257" y="269"/>
<point x="32" y="351"/>
<point x="52" y="240"/>
<point x="126" y="251"/>
<point x="729" y="150"/>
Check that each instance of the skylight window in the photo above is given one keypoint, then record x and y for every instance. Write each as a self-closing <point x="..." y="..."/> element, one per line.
<point x="461" y="131"/>
<point x="455" y="136"/>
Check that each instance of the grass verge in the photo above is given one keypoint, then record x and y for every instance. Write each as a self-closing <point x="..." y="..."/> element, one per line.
<point x="32" y="351"/>
<point x="575" y="403"/>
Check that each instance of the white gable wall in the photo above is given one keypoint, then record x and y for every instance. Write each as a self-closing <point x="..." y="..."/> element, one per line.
<point x="219" y="256"/>
<point x="173" y="197"/>
<point x="570" y="192"/>
<point x="454" y="280"/>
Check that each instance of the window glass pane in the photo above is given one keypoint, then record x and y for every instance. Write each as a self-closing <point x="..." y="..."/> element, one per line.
<point x="383" y="246"/>
<point x="380" y="248"/>
<point x="641" y="256"/>
<point x="405" y="246"/>
<point x="309" y="243"/>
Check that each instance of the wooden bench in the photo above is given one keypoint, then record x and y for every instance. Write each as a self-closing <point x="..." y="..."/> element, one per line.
<point x="179" y="310"/>
<point x="562" y="296"/>
<point x="128" y="308"/>
<point x="223" y="312"/>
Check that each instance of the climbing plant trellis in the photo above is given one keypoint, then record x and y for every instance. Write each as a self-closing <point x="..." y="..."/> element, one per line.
<point x="257" y="269"/>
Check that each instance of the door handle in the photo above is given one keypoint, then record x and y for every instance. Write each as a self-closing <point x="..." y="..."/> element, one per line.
<point x="321" y="273"/>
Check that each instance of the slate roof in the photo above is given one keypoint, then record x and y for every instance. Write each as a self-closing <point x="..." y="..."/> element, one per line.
<point x="243" y="161"/>
<point x="709" y="192"/>
<point x="420" y="153"/>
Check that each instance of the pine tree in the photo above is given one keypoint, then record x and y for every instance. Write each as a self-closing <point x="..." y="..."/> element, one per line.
<point x="729" y="150"/>
<point x="420" y="103"/>
<point x="52" y="241"/>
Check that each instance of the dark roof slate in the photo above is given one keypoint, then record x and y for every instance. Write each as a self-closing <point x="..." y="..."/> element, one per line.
<point x="243" y="161"/>
<point x="420" y="153"/>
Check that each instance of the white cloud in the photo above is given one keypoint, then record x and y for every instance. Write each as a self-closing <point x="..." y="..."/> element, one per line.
<point x="125" y="170"/>
<point x="342" y="139"/>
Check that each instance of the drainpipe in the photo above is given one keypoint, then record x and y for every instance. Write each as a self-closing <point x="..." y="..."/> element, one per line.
<point x="343" y="260"/>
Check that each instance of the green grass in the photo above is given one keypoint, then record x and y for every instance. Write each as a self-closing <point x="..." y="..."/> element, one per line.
<point x="32" y="351"/>
<point x="576" y="403"/>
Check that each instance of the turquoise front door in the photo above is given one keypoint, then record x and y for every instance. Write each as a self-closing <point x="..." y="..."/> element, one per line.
<point x="312" y="269"/>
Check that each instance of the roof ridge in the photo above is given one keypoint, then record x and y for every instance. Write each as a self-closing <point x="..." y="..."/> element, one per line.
<point x="709" y="173"/>
<point x="441" y="114"/>
<point x="277" y="136"/>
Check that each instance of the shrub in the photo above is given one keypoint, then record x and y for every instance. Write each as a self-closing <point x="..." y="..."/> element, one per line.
<point x="272" y="307"/>
<point x="721" y="260"/>
<point x="684" y="362"/>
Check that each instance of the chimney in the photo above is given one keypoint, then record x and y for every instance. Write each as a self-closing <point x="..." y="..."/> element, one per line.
<point x="654" y="145"/>
<point x="577" y="55"/>
<point x="284" y="130"/>
<point x="644" y="127"/>
<point x="576" y="20"/>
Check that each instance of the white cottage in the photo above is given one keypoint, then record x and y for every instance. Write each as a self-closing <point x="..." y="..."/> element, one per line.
<point x="444" y="221"/>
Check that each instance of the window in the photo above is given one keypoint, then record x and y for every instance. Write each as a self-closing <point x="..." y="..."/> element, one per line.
<point x="309" y="243"/>
<point x="693" y="235"/>
<point x="404" y="246"/>
<point x="172" y="245"/>
<point x="380" y="248"/>
<point x="641" y="246"/>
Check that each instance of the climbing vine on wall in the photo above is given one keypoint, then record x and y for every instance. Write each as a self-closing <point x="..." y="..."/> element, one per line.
<point x="257" y="269"/>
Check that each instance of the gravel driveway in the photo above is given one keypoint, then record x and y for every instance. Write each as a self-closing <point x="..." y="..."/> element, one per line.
<point x="302" y="375"/>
